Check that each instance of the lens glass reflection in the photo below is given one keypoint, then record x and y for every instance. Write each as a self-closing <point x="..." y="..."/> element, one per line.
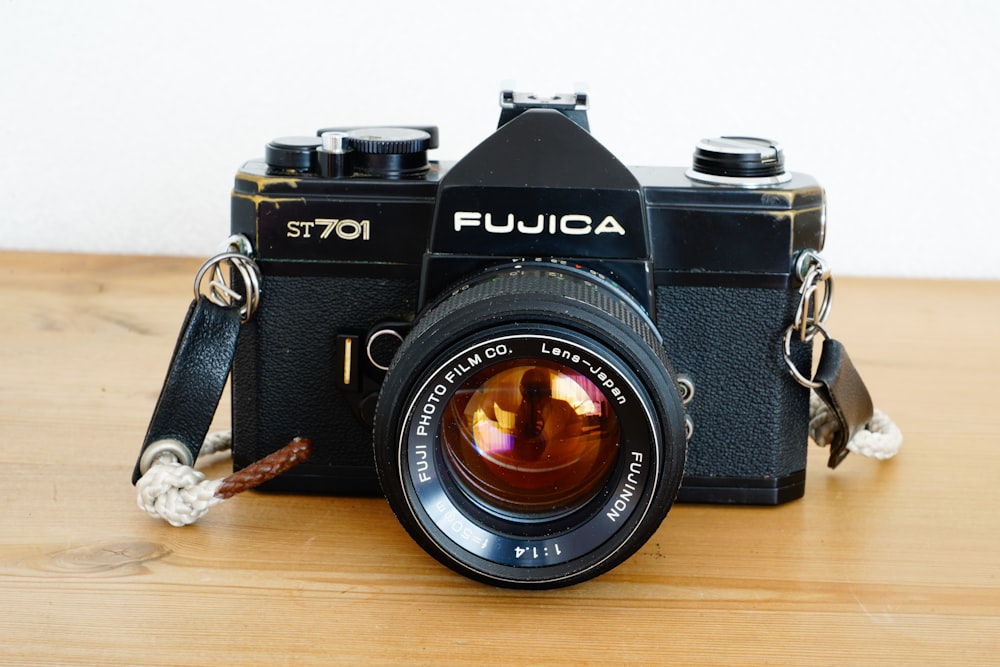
<point x="530" y="438"/>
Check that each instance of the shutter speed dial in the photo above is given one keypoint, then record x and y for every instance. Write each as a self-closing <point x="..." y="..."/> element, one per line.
<point x="389" y="152"/>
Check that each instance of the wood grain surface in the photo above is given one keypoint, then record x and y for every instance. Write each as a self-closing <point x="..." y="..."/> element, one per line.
<point x="891" y="563"/>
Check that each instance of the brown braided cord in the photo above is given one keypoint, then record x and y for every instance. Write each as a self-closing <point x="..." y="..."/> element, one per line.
<point x="267" y="468"/>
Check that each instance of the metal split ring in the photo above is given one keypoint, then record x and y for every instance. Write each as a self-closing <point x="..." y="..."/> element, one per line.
<point x="787" y="353"/>
<point x="221" y="292"/>
<point x="813" y="272"/>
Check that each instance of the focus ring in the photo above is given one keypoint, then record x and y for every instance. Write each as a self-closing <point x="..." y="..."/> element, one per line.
<point x="543" y="279"/>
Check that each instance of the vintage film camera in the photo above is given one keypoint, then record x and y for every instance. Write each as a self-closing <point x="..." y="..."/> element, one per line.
<point x="531" y="351"/>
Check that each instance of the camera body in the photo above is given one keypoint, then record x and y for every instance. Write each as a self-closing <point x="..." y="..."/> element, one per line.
<point x="358" y="237"/>
<point x="355" y="238"/>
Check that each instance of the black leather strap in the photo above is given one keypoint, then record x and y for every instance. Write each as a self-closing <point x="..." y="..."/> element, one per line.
<point x="197" y="375"/>
<point x="843" y="390"/>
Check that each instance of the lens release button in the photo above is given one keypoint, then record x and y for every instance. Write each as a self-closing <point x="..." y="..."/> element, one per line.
<point x="382" y="346"/>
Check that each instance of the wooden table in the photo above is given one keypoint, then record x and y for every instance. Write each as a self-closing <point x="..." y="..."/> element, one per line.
<point x="895" y="563"/>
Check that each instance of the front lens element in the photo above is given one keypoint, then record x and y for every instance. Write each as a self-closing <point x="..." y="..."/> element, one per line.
<point x="529" y="438"/>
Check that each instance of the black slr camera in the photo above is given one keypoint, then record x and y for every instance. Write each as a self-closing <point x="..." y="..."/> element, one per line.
<point x="533" y="351"/>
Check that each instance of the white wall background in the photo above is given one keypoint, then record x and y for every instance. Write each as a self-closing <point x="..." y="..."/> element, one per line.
<point x="123" y="122"/>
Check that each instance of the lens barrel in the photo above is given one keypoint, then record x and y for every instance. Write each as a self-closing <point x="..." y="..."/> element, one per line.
<point x="529" y="432"/>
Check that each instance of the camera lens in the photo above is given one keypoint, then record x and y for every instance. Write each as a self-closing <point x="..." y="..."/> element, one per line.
<point x="529" y="432"/>
<point x="530" y="439"/>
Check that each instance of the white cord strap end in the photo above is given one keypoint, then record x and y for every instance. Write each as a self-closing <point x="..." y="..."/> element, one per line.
<point x="180" y="495"/>
<point x="881" y="439"/>
<point x="176" y="493"/>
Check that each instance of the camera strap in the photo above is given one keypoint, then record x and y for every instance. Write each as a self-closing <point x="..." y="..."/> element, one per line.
<point x="841" y="413"/>
<point x="166" y="482"/>
<point x="195" y="380"/>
